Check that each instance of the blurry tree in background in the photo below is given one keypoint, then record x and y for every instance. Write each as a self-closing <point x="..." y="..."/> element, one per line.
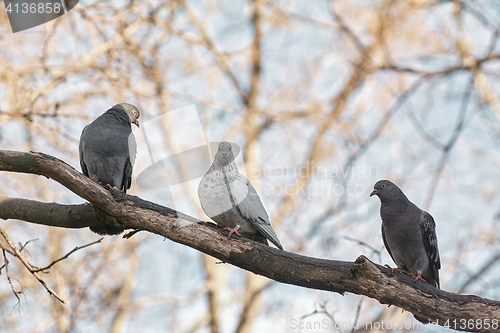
<point x="324" y="97"/>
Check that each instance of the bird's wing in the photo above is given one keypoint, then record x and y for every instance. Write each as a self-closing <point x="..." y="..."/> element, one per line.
<point x="132" y="148"/>
<point x="127" y="175"/>
<point x="386" y="244"/>
<point x="129" y="163"/>
<point x="252" y="209"/>
<point x="428" y="228"/>
<point x="80" y="148"/>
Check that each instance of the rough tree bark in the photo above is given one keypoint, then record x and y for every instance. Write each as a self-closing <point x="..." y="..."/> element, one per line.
<point x="361" y="277"/>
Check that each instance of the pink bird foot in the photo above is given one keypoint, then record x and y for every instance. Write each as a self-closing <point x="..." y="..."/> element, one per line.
<point x="110" y="188"/>
<point x="393" y="269"/>
<point x="233" y="231"/>
<point x="419" y="277"/>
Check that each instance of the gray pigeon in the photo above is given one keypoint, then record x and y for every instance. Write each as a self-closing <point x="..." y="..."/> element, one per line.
<point x="107" y="152"/>
<point x="409" y="235"/>
<point x="229" y="199"/>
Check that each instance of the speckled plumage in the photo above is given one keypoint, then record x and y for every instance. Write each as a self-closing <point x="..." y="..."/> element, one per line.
<point x="107" y="152"/>
<point x="229" y="199"/>
<point x="409" y="234"/>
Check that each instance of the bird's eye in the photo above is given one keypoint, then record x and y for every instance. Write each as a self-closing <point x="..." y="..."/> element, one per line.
<point x="383" y="185"/>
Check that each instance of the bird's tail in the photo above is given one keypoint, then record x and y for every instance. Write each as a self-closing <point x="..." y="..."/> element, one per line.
<point x="260" y="239"/>
<point x="268" y="232"/>
<point x="422" y="320"/>
<point x="107" y="229"/>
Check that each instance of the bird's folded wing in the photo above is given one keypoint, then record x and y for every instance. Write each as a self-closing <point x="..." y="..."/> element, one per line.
<point x="132" y="148"/>
<point x="238" y="190"/>
<point x="265" y="229"/>
<point x="428" y="227"/>
<point x="252" y="208"/>
<point x="129" y="163"/>
<point x="81" y="148"/>
<point x="386" y="245"/>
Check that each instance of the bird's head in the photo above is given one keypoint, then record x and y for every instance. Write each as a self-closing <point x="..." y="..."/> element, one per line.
<point x="131" y="111"/>
<point x="386" y="190"/>
<point x="225" y="152"/>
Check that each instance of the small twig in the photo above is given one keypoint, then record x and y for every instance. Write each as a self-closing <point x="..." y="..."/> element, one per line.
<point x="325" y="311"/>
<point x="66" y="255"/>
<point x="29" y="266"/>
<point x="374" y="250"/>
<point x="8" y="251"/>
<point x="357" y="315"/>
<point x="6" y="264"/>
<point x="479" y="273"/>
<point x="322" y="310"/>
<point x="21" y="247"/>
<point x="459" y="127"/>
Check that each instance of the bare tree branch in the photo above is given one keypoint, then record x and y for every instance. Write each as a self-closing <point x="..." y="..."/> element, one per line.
<point x="361" y="277"/>
<point x="489" y="264"/>
<point x="452" y="140"/>
<point x="30" y="267"/>
<point x="9" y="277"/>
<point x="57" y="215"/>
<point x="219" y="57"/>
<point x="67" y="255"/>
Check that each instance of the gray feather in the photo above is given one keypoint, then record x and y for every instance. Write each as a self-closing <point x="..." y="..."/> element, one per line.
<point x="409" y="234"/>
<point x="107" y="151"/>
<point x="229" y="199"/>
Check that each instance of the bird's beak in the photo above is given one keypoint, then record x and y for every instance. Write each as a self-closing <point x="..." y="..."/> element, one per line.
<point x="136" y="122"/>
<point x="224" y="153"/>
<point x="374" y="192"/>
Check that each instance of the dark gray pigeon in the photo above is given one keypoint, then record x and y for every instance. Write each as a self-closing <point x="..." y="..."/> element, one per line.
<point x="229" y="199"/>
<point x="409" y="235"/>
<point x="107" y="152"/>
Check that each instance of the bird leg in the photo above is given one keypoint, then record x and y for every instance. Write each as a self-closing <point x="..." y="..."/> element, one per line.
<point x="233" y="231"/>
<point x="393" y="269"/>
<point x="419" y="277"/>
<point x="111" y="188"/>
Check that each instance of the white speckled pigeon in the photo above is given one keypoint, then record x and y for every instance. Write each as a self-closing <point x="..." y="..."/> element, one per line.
<point x="409" y="234"/>
<point x="107" y="152"/>
<point x="229" y="199"/>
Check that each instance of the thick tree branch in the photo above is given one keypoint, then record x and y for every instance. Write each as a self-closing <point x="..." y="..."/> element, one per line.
<point x="360" y="277"/>
<point x="54" y="214"/>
